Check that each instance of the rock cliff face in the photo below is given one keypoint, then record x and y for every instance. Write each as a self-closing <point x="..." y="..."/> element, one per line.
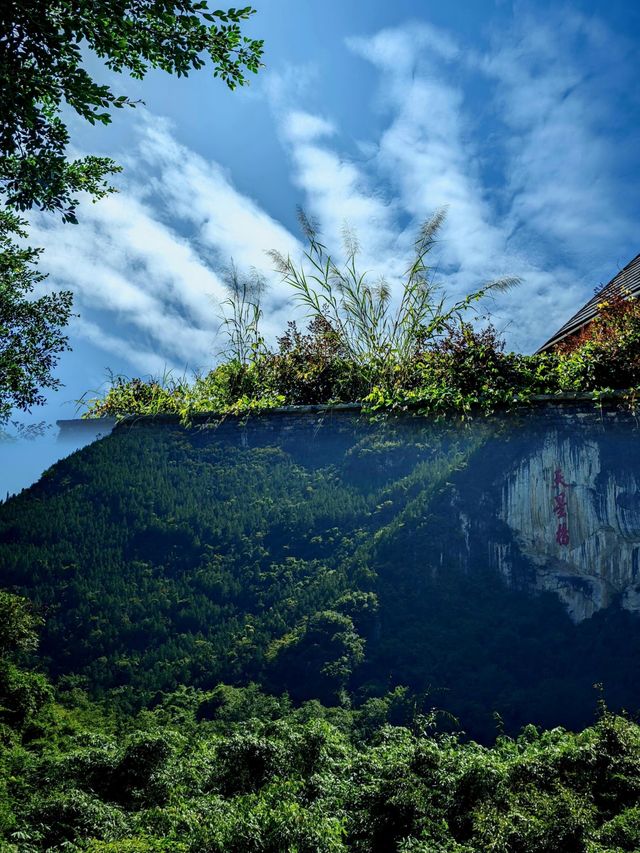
<point x="576" y="518"/>
<point x="554" y="505"/>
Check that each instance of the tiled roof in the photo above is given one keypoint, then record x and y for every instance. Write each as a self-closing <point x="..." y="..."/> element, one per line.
<point x="627" y="280"/>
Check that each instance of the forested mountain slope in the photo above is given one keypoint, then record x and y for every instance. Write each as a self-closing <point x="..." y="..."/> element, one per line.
<point x="328" y="561"/>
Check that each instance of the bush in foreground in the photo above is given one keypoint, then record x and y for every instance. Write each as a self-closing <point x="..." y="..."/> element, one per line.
<point x="465" y="369"/>
<point x="311" y="780"/>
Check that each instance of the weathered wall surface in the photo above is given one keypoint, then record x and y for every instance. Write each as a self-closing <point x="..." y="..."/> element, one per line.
<point x="552" y="498"/>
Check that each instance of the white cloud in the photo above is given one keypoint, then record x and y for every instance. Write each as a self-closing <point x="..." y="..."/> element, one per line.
<point x="291" y="82"/>
<point x="159" y="289"/>
<point x="304" y="127"/>
<point x="202" y="194"/>
<point x="137" y="273"/>
<point x="223" y="223"/>
<point x="145" y="264"/>
<point x="338" y="192"/>
<point x="426" y="154"/>
<point x="145" y="361"/>
<point x="558" y="189"/>
<point x="560" y="153"/>
<point x="398" y="49"/>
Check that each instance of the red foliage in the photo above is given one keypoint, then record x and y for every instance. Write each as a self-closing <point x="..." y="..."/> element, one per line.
<point x="616" y="313"/>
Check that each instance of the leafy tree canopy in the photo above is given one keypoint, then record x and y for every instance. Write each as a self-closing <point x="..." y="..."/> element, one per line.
<point x="18" y="624"/>
<point x="42" y="69"/>
<point x="43" y="48"/>
<point x="31" y="336"/>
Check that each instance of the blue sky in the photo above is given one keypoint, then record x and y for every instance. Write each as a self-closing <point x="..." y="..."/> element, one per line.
<point x="523" y="118"/>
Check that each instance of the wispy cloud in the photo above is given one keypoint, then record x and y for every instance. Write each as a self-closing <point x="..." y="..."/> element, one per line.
<point x="400" y="49"/>
<point x="556" y="81"/>
<point x="528" y="170"/>
<point x="424" y="151"/>
<point x="139" y="277"/>
<point x="146" y="264"/>
<point x="428" y="155"/>
<point x="339" y="191"/>
<point x="552" y="186"/>
<point x="202" y="194"/>
<point x="146" y="361"/>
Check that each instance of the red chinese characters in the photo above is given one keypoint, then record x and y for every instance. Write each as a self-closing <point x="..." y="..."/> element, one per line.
<point x="560" y="507"/>
<point x="562" y="534"/>
<point x="558" y="478"/>
<point x="560" y="504"/>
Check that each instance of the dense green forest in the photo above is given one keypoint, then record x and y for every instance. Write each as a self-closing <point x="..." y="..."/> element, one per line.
<point x="235" y="771"/>
<point x="321" y="567"/>
<point x="250" y="640"/>
<point x="273" y="636"/>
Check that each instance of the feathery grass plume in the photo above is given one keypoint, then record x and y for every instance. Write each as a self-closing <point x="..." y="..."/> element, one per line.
<point x="241" y="313"/>
<point x="373" y="329"/>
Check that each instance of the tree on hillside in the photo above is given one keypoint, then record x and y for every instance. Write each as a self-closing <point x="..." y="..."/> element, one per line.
<point x="43" y="46"/>
<point x="31" y="330"/>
